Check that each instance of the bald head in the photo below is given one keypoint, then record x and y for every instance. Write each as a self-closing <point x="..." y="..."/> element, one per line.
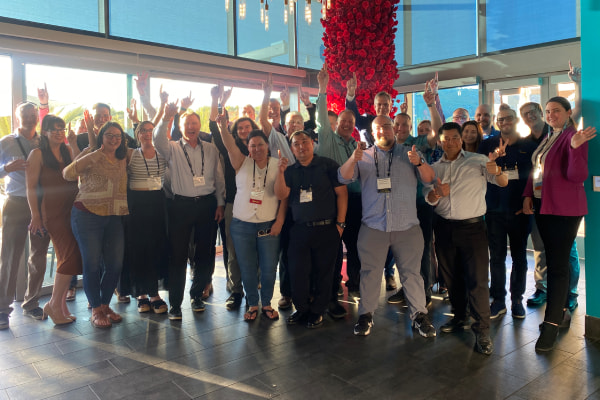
<point x="483" y="115"/>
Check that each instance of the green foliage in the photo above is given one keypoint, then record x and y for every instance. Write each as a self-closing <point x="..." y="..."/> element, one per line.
<point x="5" y="127"/>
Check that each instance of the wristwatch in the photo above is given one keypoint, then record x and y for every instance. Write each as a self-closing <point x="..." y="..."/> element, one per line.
<point x="341" y="224"/>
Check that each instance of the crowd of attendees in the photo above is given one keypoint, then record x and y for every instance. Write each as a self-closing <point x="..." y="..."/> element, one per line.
<point x="289" y="195"/>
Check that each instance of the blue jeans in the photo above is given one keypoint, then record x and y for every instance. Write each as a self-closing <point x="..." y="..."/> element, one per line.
<point x="253" y="252"/>
<point x="101" y="242"/>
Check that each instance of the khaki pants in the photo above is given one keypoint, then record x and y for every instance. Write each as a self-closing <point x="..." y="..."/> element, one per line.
<point x="15" y="220"/>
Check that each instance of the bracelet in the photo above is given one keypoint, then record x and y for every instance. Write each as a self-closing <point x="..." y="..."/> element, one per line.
<point x="43" y="104"/>
<point x="182" y="109"/>
<point x="430" y="105"/>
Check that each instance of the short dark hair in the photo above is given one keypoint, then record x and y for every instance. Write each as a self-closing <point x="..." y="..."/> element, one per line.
<point x="332" y="114"/>
<point x="403" y="114"/>
<point x="448" y="126"/>
<point x="121" y="151"/>
<point x="234" y="128"/>
<point x="301" y="133"/>
<point x="258" y="133"/>
<point x="101" y="105"/>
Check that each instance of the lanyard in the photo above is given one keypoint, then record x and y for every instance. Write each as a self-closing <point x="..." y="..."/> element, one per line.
<point x="390" y="159"/>
<point x="157" y="163"/>
<point x="21" y="146"/>
<point x="254" y="175"/>
<point x="187" y="157"/>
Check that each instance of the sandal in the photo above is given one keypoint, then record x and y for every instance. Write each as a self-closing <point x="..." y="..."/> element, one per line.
<point x="159" y="306"/>
<point x="270" y="313"/>
<point x="71" y="294"/>
<point x="251" y="315"/>
<point x="112" y="316"/>
<point x="143" y="305"/>
<point x="99" y="319"/>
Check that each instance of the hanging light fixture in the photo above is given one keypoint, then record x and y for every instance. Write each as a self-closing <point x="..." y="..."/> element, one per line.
<point x="285" y="11"/>
<point x="307" y="12"/>
<point x="262" y="11"/>
<point x="267" y="16"/>
<point x="242" y="9"/>
<point x="226" y="5"/>
<point x="292" y="3"/>
<point x="324" y="9"/>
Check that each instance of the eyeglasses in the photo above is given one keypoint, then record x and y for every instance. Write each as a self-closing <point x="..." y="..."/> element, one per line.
<point x="110" y="136"/>
<point x="531" y="113"/>
<point x="508" y="119"/>
<point x="146" y="130"/>
<point x="57" y="131"/>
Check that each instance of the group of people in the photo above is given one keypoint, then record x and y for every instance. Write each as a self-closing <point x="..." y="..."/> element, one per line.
<point x="289" y="194"/>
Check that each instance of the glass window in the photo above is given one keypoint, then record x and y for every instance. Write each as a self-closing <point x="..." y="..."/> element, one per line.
<point x="5" y="96"/>
<point x="443" y="29"/>
<point x="459" y="97"/>
<point x="68" y="97"/>
<point x="193" y="25"/>
<point x="275" y="45"/>
<point x="310" y="37"/>
<point x="399" y="40"/>
<point x="82" y="15"/>
<point x="511" y="24"/>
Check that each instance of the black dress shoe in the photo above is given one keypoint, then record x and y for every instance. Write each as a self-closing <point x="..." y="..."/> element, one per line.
<point x="483" y="343"/>
<point x="336" y="310"/>
<point x="537" y="299"/>
<point x="297" y="317"/>
<point x="175" y="314"/>
<point x="234" y="301"/>
<point x="314" y="321"/>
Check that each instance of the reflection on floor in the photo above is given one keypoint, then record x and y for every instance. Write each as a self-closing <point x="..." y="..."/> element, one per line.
<point x="216" y="355"/>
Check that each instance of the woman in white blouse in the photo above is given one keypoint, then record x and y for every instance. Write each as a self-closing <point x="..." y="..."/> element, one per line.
<point x="257" y="218"/>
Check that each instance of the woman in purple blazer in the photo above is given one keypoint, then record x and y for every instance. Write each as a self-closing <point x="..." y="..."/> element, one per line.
<point x="555" y="193"/>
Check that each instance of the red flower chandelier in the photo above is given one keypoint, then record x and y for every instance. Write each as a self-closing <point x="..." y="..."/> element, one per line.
<point x="359" y="38"/>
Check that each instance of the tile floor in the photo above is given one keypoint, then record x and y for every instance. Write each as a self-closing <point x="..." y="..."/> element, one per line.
<point x="216" y="355"/>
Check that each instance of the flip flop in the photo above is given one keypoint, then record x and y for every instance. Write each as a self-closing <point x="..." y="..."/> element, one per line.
<point x="250" y="315"/>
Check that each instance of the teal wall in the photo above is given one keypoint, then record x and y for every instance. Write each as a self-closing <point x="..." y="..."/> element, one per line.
<point x="590" y="60"/>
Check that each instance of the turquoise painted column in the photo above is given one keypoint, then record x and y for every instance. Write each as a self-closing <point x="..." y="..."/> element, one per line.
<point x="590" y="60"/>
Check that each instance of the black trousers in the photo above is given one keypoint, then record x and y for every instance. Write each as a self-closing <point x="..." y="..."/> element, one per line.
<point x="462" y="252"/>
<point x="500" y="226"/>
<point x="187" y="216"/>
<point x="558" y="233"/>
<point x="350" y="238"/>
<point x="311" y="254"/>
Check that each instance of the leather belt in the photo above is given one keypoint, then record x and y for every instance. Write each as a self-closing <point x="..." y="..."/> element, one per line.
<point x="194" y="199"/>
<point x="463" y="221"/>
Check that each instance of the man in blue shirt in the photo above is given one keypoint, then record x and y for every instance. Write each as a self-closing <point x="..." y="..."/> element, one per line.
<point x="388" y="174"/>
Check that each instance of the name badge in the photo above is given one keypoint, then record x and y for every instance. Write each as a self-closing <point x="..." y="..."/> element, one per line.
<point x="256" y="196"/>
<point x="384" y="185"/>
<point x="154" y="183"/>
<point x="305" y="196"/>
<point x="513" y="174"/>
<point x="199" y="181"/>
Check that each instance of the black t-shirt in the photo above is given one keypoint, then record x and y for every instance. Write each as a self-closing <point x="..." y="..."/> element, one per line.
<point x="518" y="156"/>
<point x="320" y="178"/>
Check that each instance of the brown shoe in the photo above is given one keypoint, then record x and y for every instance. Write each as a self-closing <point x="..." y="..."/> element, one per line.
<point x="208" y="290"/>
<point x="99" y="318"/>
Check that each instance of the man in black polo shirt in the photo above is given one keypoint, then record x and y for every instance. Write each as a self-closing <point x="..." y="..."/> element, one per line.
<point x="319" y="204"/>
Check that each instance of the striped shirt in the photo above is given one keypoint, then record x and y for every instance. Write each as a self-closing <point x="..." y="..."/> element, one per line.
<point x="142" y="175"/>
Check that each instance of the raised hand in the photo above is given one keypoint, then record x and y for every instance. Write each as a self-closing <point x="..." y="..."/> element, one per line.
<point x="132" y="112"/>
<point x="404" y="105"/>
<point x="71" y="136"/>
<point x="305" y="98"/>
<point x="141" y="82"/>
<point x="268" y="86"/>
<point x="225" y="96"/>
<point x="285" y="96"/>
<point x="164" y="96"/>
<point x="441" y="189"/>
<point x="186" y="102"/>
<point x="500" y="150"/>
<point x="491" y="166"/>
<point x="43" y="95"/>
<point x="351" y="85"/>
<point x="170" y="111"/>
<point x="428" y="95"/>
<point x="574" y="73"/>
<point x="413" y="156"/>
<point x="323" y="79"/>
<point x="434" y="84"/>
<point x="282" y="163"/>
<point x="222" y="122"/>
<point x="583" y="136"/>
<point x="89" y="121"/>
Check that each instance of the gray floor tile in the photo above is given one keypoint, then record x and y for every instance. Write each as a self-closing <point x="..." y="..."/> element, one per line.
<point x="84" y="393"/>
<point x="18" y="376"/>
<point x="561" y="382"/>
